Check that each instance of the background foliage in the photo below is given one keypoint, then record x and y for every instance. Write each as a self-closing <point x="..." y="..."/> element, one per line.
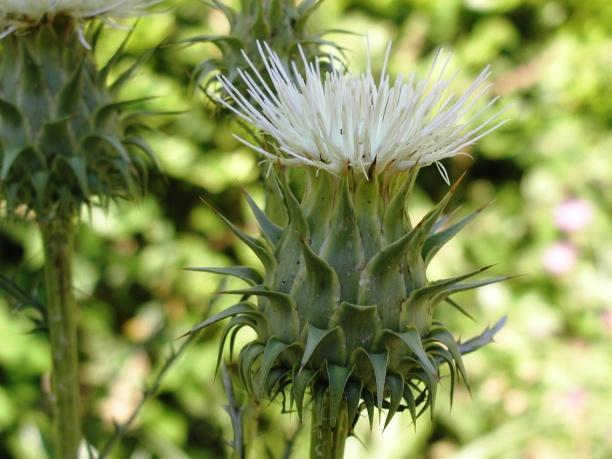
<point x="542" y="392"/>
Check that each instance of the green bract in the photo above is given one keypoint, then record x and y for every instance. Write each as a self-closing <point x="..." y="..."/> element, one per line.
<point x="65" y="137"/>
<point x="344" y="310"/>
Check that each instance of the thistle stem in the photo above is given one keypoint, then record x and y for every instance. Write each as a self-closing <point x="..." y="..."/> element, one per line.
<point x="327" y="442"/>
<point x="58" y="237"/>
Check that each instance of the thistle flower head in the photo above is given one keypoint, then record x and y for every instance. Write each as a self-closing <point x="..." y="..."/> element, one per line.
<point x="67" y="138"/>
<point x="344" y="309"/>
<point x="16" y="15"/>
<point x="345" y="120"/>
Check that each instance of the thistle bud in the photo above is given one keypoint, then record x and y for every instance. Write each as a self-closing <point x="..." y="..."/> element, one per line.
<point x="66" y="139"/>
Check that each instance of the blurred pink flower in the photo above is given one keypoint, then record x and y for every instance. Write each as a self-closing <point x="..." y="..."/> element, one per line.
<point x="573" y="214"/>
<point x="576" y="400"/>
<point x="560" y="258"/>
<point x="606" y="317"/>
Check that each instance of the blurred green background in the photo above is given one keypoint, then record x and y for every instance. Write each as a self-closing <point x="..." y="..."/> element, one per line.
<point x="544" y="390"/>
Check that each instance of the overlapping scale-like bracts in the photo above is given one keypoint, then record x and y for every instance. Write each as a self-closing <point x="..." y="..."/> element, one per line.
<point x="344" y="310"/>
<point x="66" y="139"/>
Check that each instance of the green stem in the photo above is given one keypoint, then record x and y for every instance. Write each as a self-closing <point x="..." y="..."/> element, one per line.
<point x="327" y="442"/>
<point x="58" y="236"/>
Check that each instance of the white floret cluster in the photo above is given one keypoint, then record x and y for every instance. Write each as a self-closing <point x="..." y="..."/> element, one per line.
<point x="349" y="120"/>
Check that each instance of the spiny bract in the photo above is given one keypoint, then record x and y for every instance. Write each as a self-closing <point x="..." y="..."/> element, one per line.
<point x="65" y="137"/>
<point x="345" y="307"/>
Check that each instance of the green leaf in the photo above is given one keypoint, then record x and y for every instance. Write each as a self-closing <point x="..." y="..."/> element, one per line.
<point x="228" y="12"/>
<point x="249" y="275"/>
<point x="281" y="311"/>
<point x="203" y="70"/>
<point x="476" y="284"/>
<point x="275" y="383"/>
<point x="359" y="323"/>
<point x="314" y="338"/>
<point x="126" y="75"/>
<point x="443" y="336"/>
<point x="225" y="44"/>
<point x="341" y="249"/>
<point x="276" y="209"/>
<point x="104" y="114"/>
<point x="379" y="365"/>
<point x="410" y="403"/>
<point x="10" y="114"/>
<point x="486" y="337"/>
<point x="71" y="95"/>
<point x="428" y="222"/>
<point x="441" y="354"/>
<point x="19" y="295"/>
<point x="318" y="395"/>
<point x="144" y="147"/>
<point x="272" y="352"/>
<point x="382" y="283"/>
<point x="428" y="395"/>
<point x="35" y="95"/>
<point x="395" y="384"/>
<point x="248" y="356"/>
<point x="317" y="204"/>
<point x="368" y="401"/>
<point x="353" y="397"/>
<point x="8" y="158"/>
<point x="110" y="140"/>
<point x="297" y="221"/>
<point x="57" y="138"/>
<point x="240" y="308"/>
<point x="236" y="323"/>
<point x="114" y="59"/>
<point x="437" y="240"/>
<point x="78" y="164"/>
<point x="412" y="340"/>
<point x="259" y="248"/>
<point x="367" y="197"/>
<point x="269" y="229"/>
<point x="40" y="180"/>
<point x="301" y="380"/>
<point x="95" y="36"/>
<point x="289" y="249"/>
<point x="395" y="214"/>
<point x="459" y="308"/>
<point x="438" y="291"/>
<point x="338" y="377"/>
<point x="316" y="295"/>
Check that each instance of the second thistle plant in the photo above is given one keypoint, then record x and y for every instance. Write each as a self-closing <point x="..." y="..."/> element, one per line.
<point x="282" y="24"/>
<point x="66" y="140"/>
<point x="344" y="310"/>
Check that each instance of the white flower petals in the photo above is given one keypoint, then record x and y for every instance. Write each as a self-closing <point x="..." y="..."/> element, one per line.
<point x="349" y="120"/>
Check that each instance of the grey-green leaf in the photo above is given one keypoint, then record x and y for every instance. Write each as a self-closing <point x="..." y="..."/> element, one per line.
<point x="245" y="273"/>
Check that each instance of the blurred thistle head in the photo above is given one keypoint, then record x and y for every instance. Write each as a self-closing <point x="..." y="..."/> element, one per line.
<point x="21" y="15"/>
<point x="66" y="137"/>
<point x="344" y="308"/>
<point x="342" y="121"/>
<point x="282" y="24"/>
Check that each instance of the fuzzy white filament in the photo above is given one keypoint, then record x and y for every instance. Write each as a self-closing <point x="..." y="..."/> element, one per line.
<point x="17" y="14"/>
<point x="347" y="120"/>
